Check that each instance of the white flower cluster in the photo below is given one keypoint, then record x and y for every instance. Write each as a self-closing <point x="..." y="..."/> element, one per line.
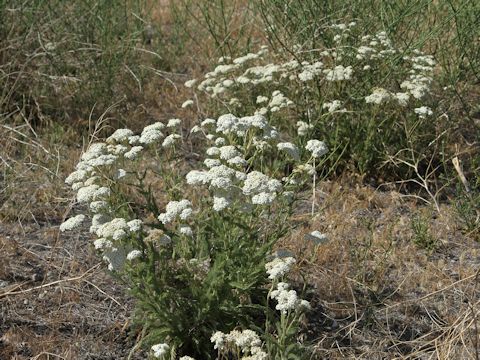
<point x="160" y="350"/>
<point x="378" y="96"/>
<point x="310" y="71"/>
<point x="230" y="124"/>
<point x="338" y="73"/>
<point x="287" y="300"/>
<point x="316" y="147"/>
<point x="423" y="112"/>
<point x="72" y="223"/>
<point x="176" y="209"/>
<point x="99" y="159"/>
<point x="374" y="47"/>
<point x="134" y="254"/>
<point x="379" y="46"/>
<point x="278" y="101"/>
<point x="333" y="106"/>
<point x="278" y="267"/>
<point x="152" y="133"/>
<point x="262" y="189"/>
<point x="247" y="341"/>
<point x="303" y="128"/>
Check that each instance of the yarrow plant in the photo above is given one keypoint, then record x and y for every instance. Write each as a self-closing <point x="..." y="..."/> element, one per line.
<point x="366" y="97"/>
<point x="195" y="259"/>
<point x="194" y="240"/>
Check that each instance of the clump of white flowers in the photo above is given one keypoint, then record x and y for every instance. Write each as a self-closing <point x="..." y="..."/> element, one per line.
<point x="378" y="96"/>
<point x="72" y="223"/>
<point x="423" y="112"/>
<point x="134" y="254"/>
<point x="247" y="341"/>
<point x="278" y="267"/>
<point x="160" y="350"/>
<point x="253" y="158"/>
<point x="316" y="147"/>
<point x="287" y="300"/>
<point x="181" y="209"/>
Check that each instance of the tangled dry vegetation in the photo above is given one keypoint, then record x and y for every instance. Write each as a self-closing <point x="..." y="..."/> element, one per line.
<point x="398" y="276"/>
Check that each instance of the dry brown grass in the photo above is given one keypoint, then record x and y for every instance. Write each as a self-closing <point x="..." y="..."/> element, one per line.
<point x="377" y="294"/>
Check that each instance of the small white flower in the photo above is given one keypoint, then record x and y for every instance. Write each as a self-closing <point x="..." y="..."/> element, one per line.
<point x="209" y="163"/>
<point x="76" y="176"/>
<point x="134" y="225"/>
<point x="316" y="237"/>
<point x="174" y="209"/>
<point x="187" y="104"/>
<point x="332" y="106"/>
<point x="278" y="267"/>
<point x="173" y="123"/>
<point x="149" y="137"/>
<point x="72" y="223"/>
<point x="170" y="140"/>
<point x="228" y="152"/>
<point x="120" y="135"/>
<point x="218" y="338"/>
<point x="195" y="129"/>
<point x="306" y="75"/>
<point x="86" y="194"/>
<point x="227" y="83"/>
<point x="132" y="140"/>
<point x="134" y="254"/>
<point x="220" y="141"/>
<point x="286" y="299"/>
<point x="160" y="350"/>
<point x="339" y="73"/>
<point x="378" y="96"/>
<point x="78" y="185"/>
<point x="133" y="152"/>
<point x="261" y="99"/>
<point x="98" y="206"/>
<point x="220" y="203"/>
<point x="402" y="98"/>
<point x="115" y="229"/>
<point x="102" y="244"/>
<point x="303" y="128"/>
<point x="423" y="112"/>
<point x="190" y="83"/>
<point x="185" y="230"/>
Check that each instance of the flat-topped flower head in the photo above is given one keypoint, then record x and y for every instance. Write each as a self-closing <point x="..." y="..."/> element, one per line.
<point x="181" y="209"/>
<point x="160" y="350"/>
<point x="134" y="254"/>
<point x="72" y="223"/>
<point x="278" y="267"/>
<point x="120" y="135"/>
<point x="316" y="147"/>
